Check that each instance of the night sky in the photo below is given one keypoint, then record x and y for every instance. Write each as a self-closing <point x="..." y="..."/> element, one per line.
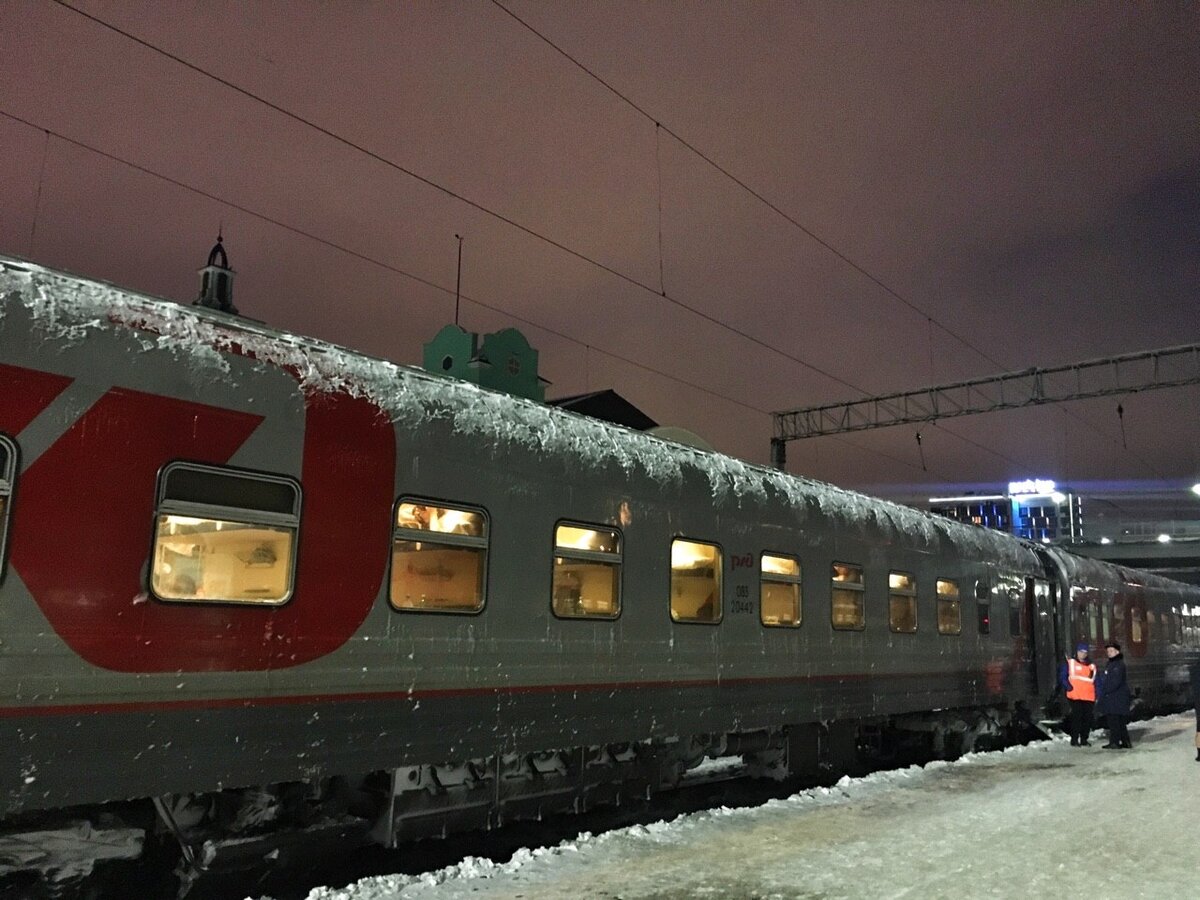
<point x="959" y="189"/>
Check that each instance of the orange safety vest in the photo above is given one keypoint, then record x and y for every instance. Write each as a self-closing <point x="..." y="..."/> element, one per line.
<point x="1082" y="677"/>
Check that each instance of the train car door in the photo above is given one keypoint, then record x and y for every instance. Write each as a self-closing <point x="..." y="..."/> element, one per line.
<point x="1039" y="611"/>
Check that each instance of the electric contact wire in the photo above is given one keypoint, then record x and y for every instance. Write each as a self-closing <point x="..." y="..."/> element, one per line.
<point x="388" y="267"/>
<point x="505" y="219"/>
<point x="500" y="217"/>
<point x="814" y="236"/>
<point x="349" y="251"/>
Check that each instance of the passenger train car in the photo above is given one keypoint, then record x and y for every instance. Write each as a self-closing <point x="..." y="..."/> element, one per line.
<point x="257" y="589"/>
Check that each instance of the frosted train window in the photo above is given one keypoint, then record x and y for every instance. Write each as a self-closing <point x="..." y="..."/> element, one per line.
<point x="439" y="558"/>
<point x="587" y="572"/>
<point x="949" y="608"/>
<point x="8" y="475"/>
<point x="846" y="597"/>
<point x="695" y="581"/>
<point x="902" y="602"/>
<point x="224" y="536"/>
<point x="779" y="590"/>
<point x="983" y="607"/>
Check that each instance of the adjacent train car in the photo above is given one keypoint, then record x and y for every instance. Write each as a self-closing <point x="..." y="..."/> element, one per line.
<point x="258" y="589"/>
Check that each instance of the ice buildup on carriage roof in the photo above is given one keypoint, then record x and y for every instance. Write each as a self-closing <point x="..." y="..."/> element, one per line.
<point x="66" y="308"/>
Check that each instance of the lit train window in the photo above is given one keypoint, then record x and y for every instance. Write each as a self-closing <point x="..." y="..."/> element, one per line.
<point x="983" y="606"/>
<point x="224" y="536"/>
<point x="949" y="608"/>
<point x="587" y="572"/>
<point x="847" y="609"/>
<point x="1119" y="619"/>
<point x="439" y="558"/>
<point x="1106" y="619"/>
<point x="779" y="590"/>
<point x="902" y="602"/>
<point x="1093" y="613"/>
<point x="8" y="475"/>
<point x="695" y="581"/>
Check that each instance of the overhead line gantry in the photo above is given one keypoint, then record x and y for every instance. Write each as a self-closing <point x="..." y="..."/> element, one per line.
<point x="1125" y="374"/>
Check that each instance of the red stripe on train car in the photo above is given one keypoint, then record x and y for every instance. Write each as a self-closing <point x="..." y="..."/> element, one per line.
<point x="451" y="693"/>
<point x="26" y="393"/>
<point x="100" y="477"/>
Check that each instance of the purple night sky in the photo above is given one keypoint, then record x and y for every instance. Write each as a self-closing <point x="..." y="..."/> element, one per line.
<point x="1023" y="178"/>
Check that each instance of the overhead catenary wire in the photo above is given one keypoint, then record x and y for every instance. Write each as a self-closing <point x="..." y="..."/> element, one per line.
<point x="501" y="217"/>
<point x="535" y="234"/>
<point x="373" y="261"/>
<point x="362" y="257"/>
<point x="805" y="229"/>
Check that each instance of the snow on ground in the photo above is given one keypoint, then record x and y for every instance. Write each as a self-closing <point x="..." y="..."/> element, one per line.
<point x="1037" y="821"/>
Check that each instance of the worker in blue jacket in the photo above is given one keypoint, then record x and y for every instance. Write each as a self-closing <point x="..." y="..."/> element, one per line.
<point x="1114" y="699"/>
<point x="1078" y="679"/>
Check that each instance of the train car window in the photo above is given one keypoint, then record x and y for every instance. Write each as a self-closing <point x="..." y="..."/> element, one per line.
<point x="902" y="602"/>
<point x="779" y="590"/>
<point x="983" y="607"/>
<point x="224" y="536"/>
<point x="949" y="608"/>
<point x="587" y="572"/>
<point x="695" y="581"/>
<point x="1014" y="612"/>
<point x="1119" y="620"/>
<point x="1137" y="624"/>
<point x="1093" y="613"/>
<point x="8" y="475"/>
<point x="439" y="557"/>
<point x="1106" y="615"/>
<point x="847" y="606"/>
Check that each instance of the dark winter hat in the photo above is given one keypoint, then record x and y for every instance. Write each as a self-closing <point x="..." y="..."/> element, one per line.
<point x="1114" y="645"/>
<point x="1082" y="648"/>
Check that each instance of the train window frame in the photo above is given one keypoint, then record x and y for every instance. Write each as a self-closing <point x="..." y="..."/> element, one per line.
<point x="840" y="585"/>
<point x="943" y="602"/>
<point x="908" y="595"/>
<point x="718" y="577"/>
<point x="480" y="544"/>
<point x="177" y="500"/>
<point x="766" y="578"/>
<point x="565" y="554"/>
<point x="1016" y="606"/>
<point x="983" y="606"/>
<point x="8" y="487"/>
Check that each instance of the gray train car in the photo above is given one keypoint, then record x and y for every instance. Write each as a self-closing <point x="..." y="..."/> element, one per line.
<point x="259" y="590"/>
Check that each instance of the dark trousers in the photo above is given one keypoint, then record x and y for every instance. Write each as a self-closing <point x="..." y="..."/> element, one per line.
<point x="1081" y="720"/>
<point x="1118" y="734"/>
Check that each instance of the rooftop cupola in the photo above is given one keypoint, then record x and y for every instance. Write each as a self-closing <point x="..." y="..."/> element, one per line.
<point x="216" y="281"/>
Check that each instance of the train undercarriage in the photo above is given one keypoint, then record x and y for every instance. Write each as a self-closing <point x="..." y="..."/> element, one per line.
<point x="76" y="852"/>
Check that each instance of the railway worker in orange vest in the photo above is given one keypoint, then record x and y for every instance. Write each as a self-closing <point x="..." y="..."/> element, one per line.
<point x="1079" y="680"/>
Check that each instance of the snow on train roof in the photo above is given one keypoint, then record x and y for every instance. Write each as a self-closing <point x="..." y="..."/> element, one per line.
<point x="68" y="308"/>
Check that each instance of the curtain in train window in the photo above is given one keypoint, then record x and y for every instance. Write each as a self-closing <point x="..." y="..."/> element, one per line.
<point x="983" y="607"/>
<point x="695" y="581"/>
<point x="439" y="557"/>
<point x="779" y="590"/>
<point x="587" y="572"/>
<point x="902" y="602"/>
<point x="847" y="607"/>
<point x="1137" y="623"/>
<point x="224" y="536"/>
<point x="8" y="475"/>
<point x="949" y="608"/>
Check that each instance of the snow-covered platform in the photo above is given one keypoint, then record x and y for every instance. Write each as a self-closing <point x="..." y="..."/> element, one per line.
<point x="1037" y="821"/>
